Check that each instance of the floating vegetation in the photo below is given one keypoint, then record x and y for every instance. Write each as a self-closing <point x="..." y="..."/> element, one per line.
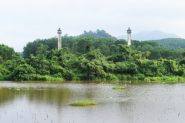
<point x="107" y="96"/>
<point x="83" y="103"/>
<point x="122" y="87"/>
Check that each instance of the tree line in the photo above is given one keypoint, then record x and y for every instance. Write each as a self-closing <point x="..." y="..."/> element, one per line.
<point x="89" y="64"/>
<point x="172" y="43"/>
<point x="91" y="56"/>
<point x="107" y="46"/>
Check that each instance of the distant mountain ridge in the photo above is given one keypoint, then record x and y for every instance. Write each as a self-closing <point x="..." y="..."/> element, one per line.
<point x="146" y="35"/>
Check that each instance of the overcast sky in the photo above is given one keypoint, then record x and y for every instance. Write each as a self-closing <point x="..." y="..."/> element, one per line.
<point x="23" y="21"/>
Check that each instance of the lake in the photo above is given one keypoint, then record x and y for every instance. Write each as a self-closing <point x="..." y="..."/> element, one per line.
<point x="48" y="102"/>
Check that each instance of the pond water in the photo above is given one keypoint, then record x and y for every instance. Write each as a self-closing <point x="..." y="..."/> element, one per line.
<point x="46" y="102"/>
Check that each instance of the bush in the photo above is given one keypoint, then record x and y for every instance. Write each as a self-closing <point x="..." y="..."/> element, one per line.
<point x="25" y="77"/>
<point x="68" y="75"/>
<point x="129" y="76"/>
<point x="24" y="72"/>
<point x="46" y="77"/>
<point x="55" y="69"/>
<point x="119" y="76"/>
<point x="141" y="76"/>
<point x="4" y="71"/>
<point x="135" y="78"/>
<point x="110" y="76"/>
<point x="76" y="78"/>
<point x="154" y="79"/>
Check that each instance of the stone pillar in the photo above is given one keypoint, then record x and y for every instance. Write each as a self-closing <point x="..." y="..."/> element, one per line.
<point x="129" y="37"/>
<point x="59" y="39"/>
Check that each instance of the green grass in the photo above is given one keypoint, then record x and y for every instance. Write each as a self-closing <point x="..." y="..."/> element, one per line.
<point x="166" y="78"/>
<point x="48" y="78"/>
<point x="122" y="87"/>
<point x="83" y="103"/>
<point x="134" y="78"/>
<point x="37" y="77"/>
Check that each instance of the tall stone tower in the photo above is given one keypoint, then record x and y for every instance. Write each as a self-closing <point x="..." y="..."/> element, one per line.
<point x="59" y="39"/>
<point x="129" y="37"/>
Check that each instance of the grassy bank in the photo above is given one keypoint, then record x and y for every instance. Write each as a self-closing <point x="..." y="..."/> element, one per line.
<point x="166" y="78"/>
<point x="135" y="77"/>
<point x="32" y="77"/>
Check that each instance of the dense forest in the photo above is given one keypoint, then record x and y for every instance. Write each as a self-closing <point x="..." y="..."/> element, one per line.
<point x="92" y="56"/>
<point x="107" y="46"/>
<point x="82" y="58"/>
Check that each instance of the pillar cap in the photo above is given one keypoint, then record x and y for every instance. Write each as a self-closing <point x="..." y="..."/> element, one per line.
<point x="59" y="31"/>
<point x="129" y="30"/>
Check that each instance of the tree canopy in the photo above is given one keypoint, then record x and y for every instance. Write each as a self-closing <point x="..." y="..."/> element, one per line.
<point x="107" y="46"/>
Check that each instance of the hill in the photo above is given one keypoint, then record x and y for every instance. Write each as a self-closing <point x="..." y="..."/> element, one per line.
<point x="97" y="34"/>
<point x="171" y="42"/>
<point x="146" y="35"/>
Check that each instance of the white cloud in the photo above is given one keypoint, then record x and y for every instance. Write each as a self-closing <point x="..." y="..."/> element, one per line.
<point x="23" y="21"/>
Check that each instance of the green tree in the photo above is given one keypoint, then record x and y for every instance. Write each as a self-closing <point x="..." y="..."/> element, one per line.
<point x="42" y="49"/>
<point x="83" y="43"/>
<point x="104" y="49"/>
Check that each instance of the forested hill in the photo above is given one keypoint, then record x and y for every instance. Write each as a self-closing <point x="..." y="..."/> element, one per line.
<point x="171" y="42"/>
<point x="166" y="43"/>
<point x="88" y="58"/>
<point x="97" y="34"/>
<point x="107" y="46"/>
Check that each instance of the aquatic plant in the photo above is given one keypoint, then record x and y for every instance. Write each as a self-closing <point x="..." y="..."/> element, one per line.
<point x="122" y="87"/>
<point x="17" y="88"/>
<point x="83" y="103"/>
<point x="107" y="96"/>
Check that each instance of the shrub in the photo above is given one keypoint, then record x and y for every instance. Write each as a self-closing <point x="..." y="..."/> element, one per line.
<point x="68" y="75"/>
<point x="24" y="72"/>
<point x="129" y="76"/>
<point x="135" y="78"/>
<point x="46" y="77"/>
<point x="119" y="76"/>
<point x="76" y="78"/>
<point x="110" y="76"/>
<point x="141" y="76"/>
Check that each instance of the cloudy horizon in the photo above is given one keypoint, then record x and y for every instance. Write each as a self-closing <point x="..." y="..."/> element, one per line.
<point x="24" y="21"/>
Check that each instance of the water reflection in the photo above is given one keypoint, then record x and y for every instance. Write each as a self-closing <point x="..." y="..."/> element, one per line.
<point x="48" y="102"/>
<point x="48" y="95"/>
